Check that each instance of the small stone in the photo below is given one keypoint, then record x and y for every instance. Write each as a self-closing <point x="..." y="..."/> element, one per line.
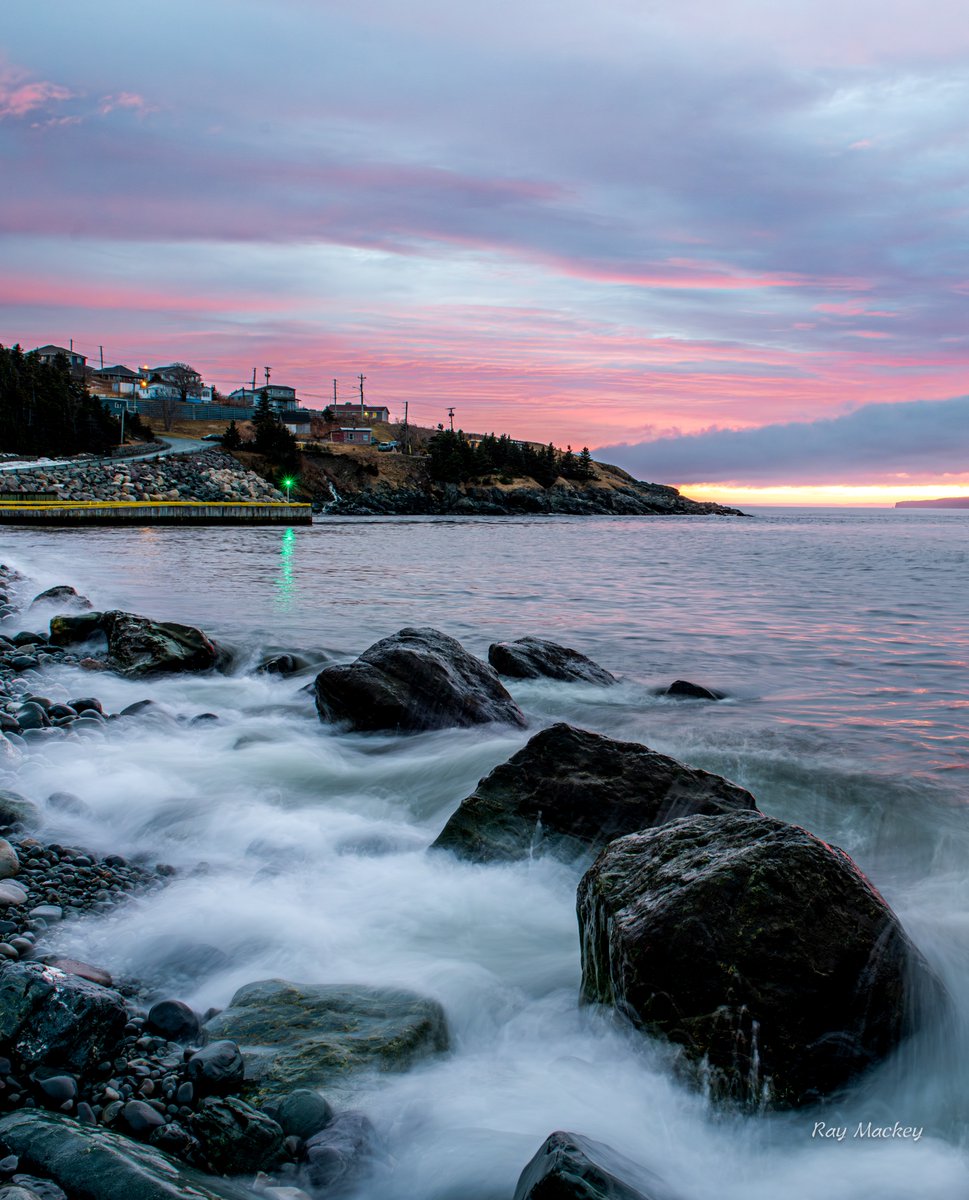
<point x="11" y="894"/>
<point x="51" y="913"/>
<point x="9" y="862"/>
<point x="59" y="1088"/>
<point x="141" y="1118"/>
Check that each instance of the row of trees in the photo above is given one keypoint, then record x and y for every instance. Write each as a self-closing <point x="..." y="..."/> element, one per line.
<point x="453" y="459"/>
<point x="45" y="410"/>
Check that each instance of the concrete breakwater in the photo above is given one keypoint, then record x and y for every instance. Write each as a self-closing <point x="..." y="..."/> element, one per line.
<point x="171" y="512"/>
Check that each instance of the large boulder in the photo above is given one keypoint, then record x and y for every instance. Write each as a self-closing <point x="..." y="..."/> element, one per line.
<point x="300" y="1035"/>
<point x="536" y="658"/>
<point x="138" y="646"/>
<point x="64" y="595"/>
<point x="91" y="1163"/>
<point x="17" y="811"/>
<point x="51" y="1018"/>
<point x="416" y="679"/>
<point x="571" y="1167"/>
<point x="569" y="790"/>
<point x="759" y="949"/>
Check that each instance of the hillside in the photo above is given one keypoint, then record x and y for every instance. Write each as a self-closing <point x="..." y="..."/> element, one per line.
<point x="363" y="481"/>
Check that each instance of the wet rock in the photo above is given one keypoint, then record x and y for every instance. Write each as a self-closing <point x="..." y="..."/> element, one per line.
<point x="138" y="647"/>
<point x="300" y="1034"/>
<point x="760" y="950"/>
<point x="74" y="966"/>
<point x="174" y="1020"/>
<point x="536" y="658"/>
<point x="86" y="704"/>
<point x="66" y="630"/>
<point x="303" y="1113"/>
<point x="571" y="1167"/>
<point x="64" y="595"/>
<point x="217" y="1068"/>
<point x="48" y="1018"/>
<point x="96" y="1164"/>
<point x="141" y="1119"/>
<point x="235" y="1137"/>
<point x="682" y="687"/>
<point x="283" y="664"/>
<point x="11" y="893"/>
<point x="340" y="1154"/>
<point x="569" y="790"/>
<point x="9" y="862"/>
<point x="416" y="679"/>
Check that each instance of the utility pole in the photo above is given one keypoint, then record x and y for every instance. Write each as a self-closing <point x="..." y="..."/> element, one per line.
<point x="334" y="391"/>
<point x="254" y="385"/>
<point x="268" y="371"/>
<point x="404" y="430"/>
<point x="101" y="348"/>
<point x="450" y="416"/>
<point x="361" y="378"/>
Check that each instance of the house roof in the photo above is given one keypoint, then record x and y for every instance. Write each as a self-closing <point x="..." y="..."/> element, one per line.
<point x="57" y="350"/>
<point x="119" y="371"/>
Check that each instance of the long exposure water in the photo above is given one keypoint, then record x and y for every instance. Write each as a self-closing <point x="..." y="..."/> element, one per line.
<point x="842" y="640"/>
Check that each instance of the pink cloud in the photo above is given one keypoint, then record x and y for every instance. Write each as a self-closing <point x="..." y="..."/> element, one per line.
<point x="19" y="99"/>
<point x="126" y="100"/>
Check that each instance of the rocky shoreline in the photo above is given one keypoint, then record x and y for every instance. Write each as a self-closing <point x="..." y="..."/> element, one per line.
<point x="760" y="955"/>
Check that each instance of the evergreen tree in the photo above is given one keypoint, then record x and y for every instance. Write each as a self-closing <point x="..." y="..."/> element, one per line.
<point x="232" y="438"/>
<point x="585" y="464"/>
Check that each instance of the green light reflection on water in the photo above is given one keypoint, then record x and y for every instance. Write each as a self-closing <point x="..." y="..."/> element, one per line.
<point x="285" y="587"/>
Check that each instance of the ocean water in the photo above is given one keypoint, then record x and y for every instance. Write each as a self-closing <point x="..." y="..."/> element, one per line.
<point x="842" y="640"/>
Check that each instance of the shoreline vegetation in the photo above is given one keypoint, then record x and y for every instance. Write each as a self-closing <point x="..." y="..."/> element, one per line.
<point x="113" y="1087"/>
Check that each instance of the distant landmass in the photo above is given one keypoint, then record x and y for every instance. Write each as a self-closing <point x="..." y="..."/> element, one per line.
<point x="946" y="502"/>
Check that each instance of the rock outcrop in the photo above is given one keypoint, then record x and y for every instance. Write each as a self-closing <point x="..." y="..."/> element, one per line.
<point x="537" y="658"/>
<point x="138" y="646"/>
<point x="97" y="1164"/>
<point x="760" y="950"/>
<point x="51" y="1018"/>
<point x="297" y="1035"/>
<point x="571" y="1167"/>
<point x="416" y="679"/>
<point x="568" y="791"/>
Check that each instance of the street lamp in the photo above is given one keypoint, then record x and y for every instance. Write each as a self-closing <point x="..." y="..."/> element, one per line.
<point x="287" y="483"/>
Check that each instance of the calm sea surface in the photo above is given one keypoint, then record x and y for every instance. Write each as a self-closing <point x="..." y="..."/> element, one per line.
<point x="842" y="640"/>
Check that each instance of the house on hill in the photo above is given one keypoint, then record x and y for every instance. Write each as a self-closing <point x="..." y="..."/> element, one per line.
<point x="47" y="354"/>
<point x="118" y="379"/>
<point x="282" y="399"/>
<point x="358" y="412"/>
<point x="353" y="435"/>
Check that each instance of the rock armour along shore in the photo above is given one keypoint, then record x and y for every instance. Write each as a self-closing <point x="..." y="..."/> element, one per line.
<point x="210" y="475"/>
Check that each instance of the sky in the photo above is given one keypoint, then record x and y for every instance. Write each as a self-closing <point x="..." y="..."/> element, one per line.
<point x="724" y="243"/>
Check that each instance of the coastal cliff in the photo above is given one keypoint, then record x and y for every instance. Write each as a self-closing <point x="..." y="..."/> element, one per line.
<point x="361" y="481"/>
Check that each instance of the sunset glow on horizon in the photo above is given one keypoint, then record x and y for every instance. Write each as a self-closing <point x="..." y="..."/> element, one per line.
<point x="727" y="256"/>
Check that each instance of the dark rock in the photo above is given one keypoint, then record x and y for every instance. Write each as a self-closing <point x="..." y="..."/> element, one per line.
<point x="175" y="1139"/>
<point x="283" y="664"/>
<point x="141" y="1118"/>
<point x="303" y="1113"/>
<point x="569" y="790"/>
<point x="174" y="1020"/>
<point x="762" y="951"/>
<point x="217" y="1068"/>
<point x="64" y="595"/>
<point x="32" y="716"/>
<point x="341" y="1153"/>
<point x="139" y="707"/>
<point x="58" y="1088"/>
<point x="138" y="646"/>
<point x="235" y="1137"/>
<point x="416" y="679"/>
<point x="96" y="1164"/>
<point x="536" y="658"/>
<point x="571" y="1167"/>
<point x="682" y="687"/>
<point x="48" y="1018"/>
<point x="86" y="704"/>
<point x="67" y="630"/>
<point x="300" y="1034"/>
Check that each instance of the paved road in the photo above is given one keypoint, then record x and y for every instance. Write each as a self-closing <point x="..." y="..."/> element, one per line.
<point x="176" y="445"/>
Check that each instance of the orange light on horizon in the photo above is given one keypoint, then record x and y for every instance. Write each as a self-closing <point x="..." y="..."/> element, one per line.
<point x="827" y="495"/>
